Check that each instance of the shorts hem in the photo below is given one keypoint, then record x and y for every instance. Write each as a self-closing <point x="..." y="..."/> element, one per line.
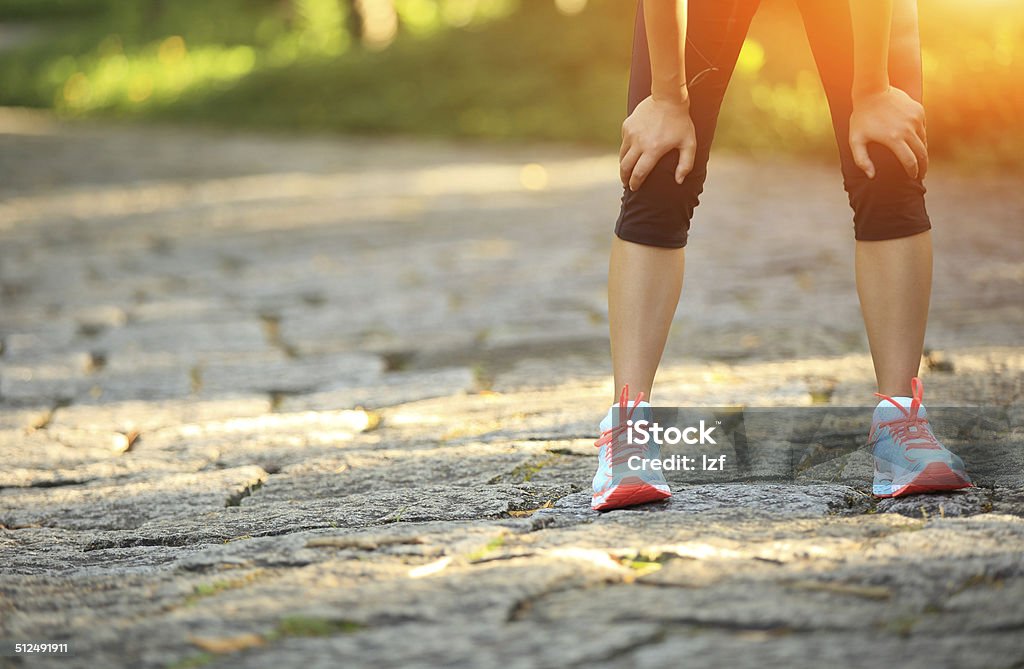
<point x="650" y="241"/>
<point x="883" y="234"/>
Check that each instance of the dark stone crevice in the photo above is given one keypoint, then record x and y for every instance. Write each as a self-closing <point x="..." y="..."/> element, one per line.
<point x="235" y="499"/>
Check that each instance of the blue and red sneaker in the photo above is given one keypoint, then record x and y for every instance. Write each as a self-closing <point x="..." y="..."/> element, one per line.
<point x="617" y="484"/>
<point x="908" y="457"/>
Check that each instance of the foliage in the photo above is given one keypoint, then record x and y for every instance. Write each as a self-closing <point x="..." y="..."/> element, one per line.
<point x="507" y="69"/>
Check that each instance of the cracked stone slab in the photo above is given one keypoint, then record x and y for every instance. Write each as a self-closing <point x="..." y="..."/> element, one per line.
<point x="389" y="468"/>
<point x="759" y="499"/>
<point x="67" y="381"/>
<point x="389" y="390"/>
<point x="278" y="373"/>
<point x="967" y="502"/>
<point x="395" y="311"/>
<point x="147" y="416"/>
<point x="168" y="295"/>
<point x="853" y="469"/>
<point x="207" y="520"/>
<point x="129" y="503"/>
<point x="850" y="648"/>
<point x="39" y="449"/>
<point x="517" y="645"/>
<point x="59" y="471"/>
<point x="38" y="339"/>
<point x="185" y="339"/>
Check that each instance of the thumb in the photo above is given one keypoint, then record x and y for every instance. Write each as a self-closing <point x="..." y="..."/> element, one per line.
<point x="861" y="158"/>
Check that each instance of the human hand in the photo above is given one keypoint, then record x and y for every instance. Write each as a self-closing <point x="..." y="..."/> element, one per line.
<point x="896" y="121"/>
<point x="653" y="129"/>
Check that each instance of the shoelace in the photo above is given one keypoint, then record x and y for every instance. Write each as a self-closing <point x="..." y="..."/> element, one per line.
<point x="910" y="430"/>
<point x="611" y="435"/>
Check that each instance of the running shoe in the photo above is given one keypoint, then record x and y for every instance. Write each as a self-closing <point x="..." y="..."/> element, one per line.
<point x="616" y="485"/>
<point x="908" y="457"/>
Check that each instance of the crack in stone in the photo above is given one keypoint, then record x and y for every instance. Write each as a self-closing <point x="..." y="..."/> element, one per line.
<point x="272" y="333"/>
<point x="520" y="609"/>
<point x="170" y="540"/>
<point x="397" y="361"/>
<point x="55" y="483"/>
<point x="769" y="626"/>
<point x="658" y="635"/>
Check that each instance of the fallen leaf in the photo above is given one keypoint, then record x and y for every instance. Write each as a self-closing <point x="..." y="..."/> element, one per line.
<point x="430" y="568"/>
<point x="227" y="644"/>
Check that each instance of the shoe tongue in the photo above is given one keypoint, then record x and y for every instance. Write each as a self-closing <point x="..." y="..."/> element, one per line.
<point x="643" y="411"/>
<point x="886" y="411"/>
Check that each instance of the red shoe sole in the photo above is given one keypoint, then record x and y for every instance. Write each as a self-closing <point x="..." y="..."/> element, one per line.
<point x="631" y="492"/>
<point x="936" y="477"/>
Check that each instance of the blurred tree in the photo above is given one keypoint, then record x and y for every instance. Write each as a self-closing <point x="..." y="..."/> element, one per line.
<point x="372" y="23"/>
<point x="353" y="20"/>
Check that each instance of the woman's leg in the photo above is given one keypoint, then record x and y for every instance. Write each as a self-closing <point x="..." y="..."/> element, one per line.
<point x="644" y="283"/>
<point x="894" y="252"/>
<point x="645" y="274"/>
<point x="894" y="277"/>
<point x="894" y="281"/>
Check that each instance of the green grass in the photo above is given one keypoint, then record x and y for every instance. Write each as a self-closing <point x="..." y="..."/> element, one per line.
<point x="508" y="70"/>
<point x="204" y="590"/>
<point x="193" y="661"/>
<point x="642" y="567"/>
<point x="483" y="552"/>
<point x="305" y="626"/>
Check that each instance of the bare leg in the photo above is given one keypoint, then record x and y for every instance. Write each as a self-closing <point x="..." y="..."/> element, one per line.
<point x="894" y="281"/>
<point x="644" y="283"/>
<point x="894" y="277"/>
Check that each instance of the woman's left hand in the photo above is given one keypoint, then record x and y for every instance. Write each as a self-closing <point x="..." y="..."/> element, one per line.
<point x="896" y="121"/>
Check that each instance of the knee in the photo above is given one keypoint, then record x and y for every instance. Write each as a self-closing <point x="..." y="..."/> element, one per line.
<point x="659" y="213"/>
<point x="889" y="206"/>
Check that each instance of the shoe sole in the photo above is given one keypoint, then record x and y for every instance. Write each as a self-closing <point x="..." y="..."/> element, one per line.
<point x="936" y="477"/>
<point x="631" y="492"/>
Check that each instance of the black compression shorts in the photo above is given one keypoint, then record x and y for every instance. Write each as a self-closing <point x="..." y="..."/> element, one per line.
<point x="658" y="214"/>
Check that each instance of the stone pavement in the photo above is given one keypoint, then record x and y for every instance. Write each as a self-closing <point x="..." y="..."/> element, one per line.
<point x="268" y="401"/>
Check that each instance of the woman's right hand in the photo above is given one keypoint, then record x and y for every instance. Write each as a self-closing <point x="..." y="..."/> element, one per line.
<point x="653" y="129"/>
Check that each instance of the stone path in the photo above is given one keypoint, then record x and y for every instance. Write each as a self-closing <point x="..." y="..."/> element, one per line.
<point x="273" y="402"/>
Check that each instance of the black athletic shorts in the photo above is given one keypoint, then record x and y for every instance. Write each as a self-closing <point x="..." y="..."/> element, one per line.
<point x="889" y="206"/>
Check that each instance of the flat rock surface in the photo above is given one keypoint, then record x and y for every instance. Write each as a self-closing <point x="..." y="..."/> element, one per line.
<point x="323" y="402"/>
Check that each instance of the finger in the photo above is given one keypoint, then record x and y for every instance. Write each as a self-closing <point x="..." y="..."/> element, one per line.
<point x="906" y="157"/>
<point x="921" y="128"/>
<point x="919" y="113"/>
<point x="627" y="164"/>
<point x="861" y="158"/>
<point x="920" y="150"/>
<point x="641" y="170"/>
<point x="624" y="147"/>
<point x="686" y="155"/>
